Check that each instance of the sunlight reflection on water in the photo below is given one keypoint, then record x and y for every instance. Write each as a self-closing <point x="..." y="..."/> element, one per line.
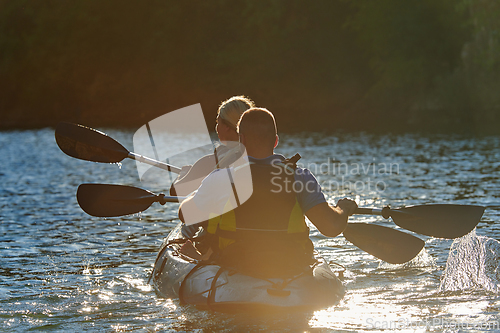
<point x="63" y="270"/>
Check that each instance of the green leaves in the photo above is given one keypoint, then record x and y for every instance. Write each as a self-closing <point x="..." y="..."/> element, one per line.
<point x="358" y="64"/>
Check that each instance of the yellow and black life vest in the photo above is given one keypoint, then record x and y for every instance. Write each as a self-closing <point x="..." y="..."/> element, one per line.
<point x="270" y="220"/>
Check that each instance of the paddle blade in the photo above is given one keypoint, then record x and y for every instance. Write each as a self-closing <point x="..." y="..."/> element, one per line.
<point x="390" y="245"/>
<point x="442" y="221"/>
<point x="88" y="144"/>
<point x="113" y="200"/>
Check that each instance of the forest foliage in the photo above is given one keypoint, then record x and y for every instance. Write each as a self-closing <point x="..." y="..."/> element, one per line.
<point x="385" y="65"/>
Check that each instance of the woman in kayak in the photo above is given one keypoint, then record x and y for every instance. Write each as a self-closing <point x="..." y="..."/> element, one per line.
<point x="228" y="115"/>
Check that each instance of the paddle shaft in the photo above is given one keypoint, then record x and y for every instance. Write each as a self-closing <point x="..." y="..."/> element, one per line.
<point x="368" y="211"/>
<point x="169" y="198"/>
<point x="386" y="212"/>
<point x="441" y="220"/>
<point x="153" y="162"/>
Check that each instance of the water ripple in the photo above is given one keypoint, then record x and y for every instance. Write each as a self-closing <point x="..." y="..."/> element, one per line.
<point x="63" y="270"/>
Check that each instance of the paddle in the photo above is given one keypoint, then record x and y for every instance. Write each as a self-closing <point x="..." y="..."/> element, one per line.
<point x="103" y="200"/>
<point x="91" y="145"/>
<point x="117" y="200"/>
<point x="442" y="220"/>
<point x="390" y="245"/>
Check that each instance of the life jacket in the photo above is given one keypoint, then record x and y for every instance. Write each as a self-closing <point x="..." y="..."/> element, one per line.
<point x="267" y="234"/>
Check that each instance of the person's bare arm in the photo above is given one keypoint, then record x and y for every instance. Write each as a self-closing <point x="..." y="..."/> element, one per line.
<point x="189" y="212"/>
<point x="192" y="179"/>
<point x="331" y="221"/>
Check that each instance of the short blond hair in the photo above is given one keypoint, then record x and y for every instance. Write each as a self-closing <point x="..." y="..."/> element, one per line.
<point x="231" y="109"/>
<point x="258" y="125"/>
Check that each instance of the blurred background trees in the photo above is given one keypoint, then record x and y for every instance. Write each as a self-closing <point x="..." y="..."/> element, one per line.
<point x="386" y="65"/>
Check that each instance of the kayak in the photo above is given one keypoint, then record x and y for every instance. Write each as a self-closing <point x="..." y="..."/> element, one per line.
<point x="210" y="286"/>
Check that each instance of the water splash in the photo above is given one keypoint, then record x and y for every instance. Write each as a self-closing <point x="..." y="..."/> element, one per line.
<point x="473" y="263"/>
<point x="422" y="260"/>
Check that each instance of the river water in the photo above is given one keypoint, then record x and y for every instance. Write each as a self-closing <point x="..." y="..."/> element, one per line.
<point x="62" y="270"/>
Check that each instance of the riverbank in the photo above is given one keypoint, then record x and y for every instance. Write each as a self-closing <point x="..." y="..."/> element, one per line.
<point x="425" y="66"/>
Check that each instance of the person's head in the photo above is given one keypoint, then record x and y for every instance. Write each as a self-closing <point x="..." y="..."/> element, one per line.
<point x="258" y="133"/>
<point x="229" y="114"/>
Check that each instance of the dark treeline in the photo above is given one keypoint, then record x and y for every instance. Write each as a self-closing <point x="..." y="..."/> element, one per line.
<point x="385" y="65"/>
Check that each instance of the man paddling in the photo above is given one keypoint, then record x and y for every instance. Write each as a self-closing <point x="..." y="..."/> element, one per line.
<point x="271" y="222"/>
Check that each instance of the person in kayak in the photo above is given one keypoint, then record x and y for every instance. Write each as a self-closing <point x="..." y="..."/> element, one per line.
<point x="228" y="115"/>
<point x="267" y="233"/>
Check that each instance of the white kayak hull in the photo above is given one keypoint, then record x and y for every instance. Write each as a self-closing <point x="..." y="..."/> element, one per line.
<point x="176" y="275"/>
